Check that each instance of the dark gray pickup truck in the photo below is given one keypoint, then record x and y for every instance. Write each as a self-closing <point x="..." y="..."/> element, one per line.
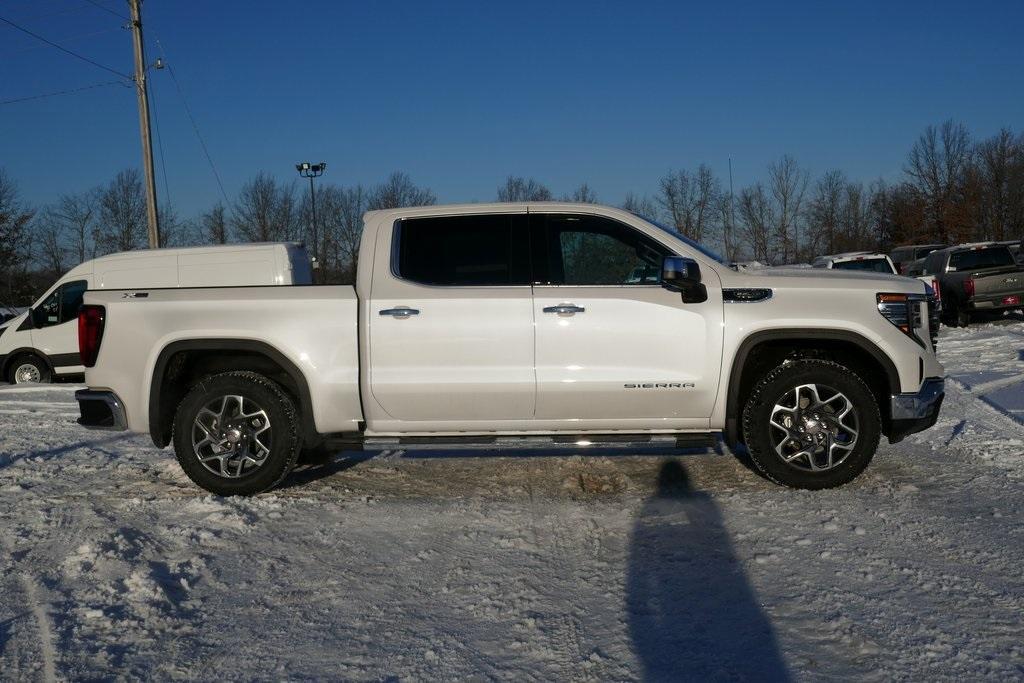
<point x="974" y="279"/>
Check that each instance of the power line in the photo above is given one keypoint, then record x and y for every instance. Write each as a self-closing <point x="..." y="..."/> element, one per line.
<point x="65" y="38"/>
<point x="160" y="145"/>
<point x="108" y="10"/>
<point x="61" y="92"/>
<point x="195" y="126"/>
<point x="64" y="49"/>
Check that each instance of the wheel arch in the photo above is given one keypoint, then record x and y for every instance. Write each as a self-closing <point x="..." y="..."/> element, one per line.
<point x="20" y="352"/>
<point x="190" y="359"/>
<point x="760" y="351"/>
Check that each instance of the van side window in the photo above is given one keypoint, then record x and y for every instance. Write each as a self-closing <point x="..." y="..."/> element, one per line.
<point x="71" y="299"/>
<point x="482" y="250"/>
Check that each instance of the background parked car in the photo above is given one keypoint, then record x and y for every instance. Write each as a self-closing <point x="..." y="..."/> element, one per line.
<point x="975" y="278"/>
<point x="903" y="256"/>
<point x="857" y="260"/>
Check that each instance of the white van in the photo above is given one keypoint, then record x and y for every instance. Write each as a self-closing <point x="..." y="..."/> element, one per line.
<point x="42" y="343"/>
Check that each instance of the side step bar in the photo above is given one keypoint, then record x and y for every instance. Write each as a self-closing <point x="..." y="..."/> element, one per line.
<point x="555" y="441"/>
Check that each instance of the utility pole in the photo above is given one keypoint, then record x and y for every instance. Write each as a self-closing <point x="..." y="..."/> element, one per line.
<point x="147" y="140"/>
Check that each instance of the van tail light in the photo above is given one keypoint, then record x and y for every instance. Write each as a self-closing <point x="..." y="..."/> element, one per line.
<point x="969" y="286"/>
<point x="90" y="333"/>
<point x="936" y="290"/>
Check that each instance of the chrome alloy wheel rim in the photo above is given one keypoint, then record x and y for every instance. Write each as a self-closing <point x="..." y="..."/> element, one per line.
<point x="27" y="373"/>
<point x="231" y="436"/>
<point x="813" y="427"/>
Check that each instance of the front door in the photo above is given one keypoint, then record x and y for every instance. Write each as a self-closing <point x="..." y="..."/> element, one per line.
<point x="616" y="350"/>
<point x="55" y="326"/>
<point x="451" y="323"/>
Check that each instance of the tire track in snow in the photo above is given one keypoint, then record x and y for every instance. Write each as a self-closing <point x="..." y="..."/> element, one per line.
<point x="44" y="628"/>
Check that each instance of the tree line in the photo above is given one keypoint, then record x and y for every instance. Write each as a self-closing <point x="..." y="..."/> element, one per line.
<point x="953" y="189"/>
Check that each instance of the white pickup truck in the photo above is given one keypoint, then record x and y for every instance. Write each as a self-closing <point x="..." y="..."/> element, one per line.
<point x="517" y="323"/>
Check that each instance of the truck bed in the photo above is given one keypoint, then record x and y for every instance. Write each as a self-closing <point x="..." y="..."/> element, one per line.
<point x="142" y="324"/>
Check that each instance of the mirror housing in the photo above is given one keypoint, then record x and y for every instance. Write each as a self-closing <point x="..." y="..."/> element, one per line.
<point x="682" y="274"/>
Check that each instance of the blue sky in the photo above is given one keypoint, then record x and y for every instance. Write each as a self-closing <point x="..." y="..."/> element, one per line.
<point x="462" y="94"/>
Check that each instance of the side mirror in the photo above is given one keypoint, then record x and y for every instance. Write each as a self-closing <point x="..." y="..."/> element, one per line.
<point x="682" y="274"/>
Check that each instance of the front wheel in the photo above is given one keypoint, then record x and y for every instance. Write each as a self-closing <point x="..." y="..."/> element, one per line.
<point x="236" y="434"/>
<point x="811" y="424"/>
<point x="29" y="370"/>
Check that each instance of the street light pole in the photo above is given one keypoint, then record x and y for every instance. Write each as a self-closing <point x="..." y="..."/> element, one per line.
<point x="308" y="170"/>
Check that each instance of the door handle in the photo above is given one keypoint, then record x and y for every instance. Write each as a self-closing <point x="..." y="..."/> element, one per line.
<point x="400" y="312"/>
<point x="564" y="309"/>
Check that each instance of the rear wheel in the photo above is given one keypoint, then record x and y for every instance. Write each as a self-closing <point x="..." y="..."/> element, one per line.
<point x="28" y="370"/>
<point x="811" y="424"/>
<point x="236" y="434"/>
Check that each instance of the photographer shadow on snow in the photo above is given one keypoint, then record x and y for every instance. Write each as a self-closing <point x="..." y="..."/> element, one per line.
<point x="692" y="613"/>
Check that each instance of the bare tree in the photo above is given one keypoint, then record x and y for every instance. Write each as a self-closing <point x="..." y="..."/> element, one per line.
<point x="50" y="249"/>
<point x="645" y="207"/>
<point x="824" y="212"/>
<point x="583" y="194"/>
<point x="787" y="185"/>
<point x="520" y="189"/>
<point x="1000" y="176"/>
<point x="214" y="225"/>
<point x="689" y="200"/>
<point x="342" y="211"/>
<point x="78" y="214"/>
<point x="14" y="219"/>
<point x="398" y="191"/>
<point x="726" y="218"/>
<point x="936" y="167"/>
<point x="758" y="223"/>
<point x="122" y="213"/>
<point x="265" y="211"/>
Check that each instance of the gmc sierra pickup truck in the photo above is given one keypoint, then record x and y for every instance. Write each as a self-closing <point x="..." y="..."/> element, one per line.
<point x="554" y="322"/>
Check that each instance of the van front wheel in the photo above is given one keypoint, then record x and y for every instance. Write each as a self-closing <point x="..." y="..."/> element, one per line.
<point x="28" y="370"/>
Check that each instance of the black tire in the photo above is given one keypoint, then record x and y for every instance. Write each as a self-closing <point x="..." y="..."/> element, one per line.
<point x="35" y="362"/>
<point x="771" y="389"/>
<point x="284" y="437"/>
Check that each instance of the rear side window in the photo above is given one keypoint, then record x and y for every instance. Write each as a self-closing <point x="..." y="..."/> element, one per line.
<point x="484" y="250"/>
<point x="989" y="257"/>
<point x="874" y="265"/>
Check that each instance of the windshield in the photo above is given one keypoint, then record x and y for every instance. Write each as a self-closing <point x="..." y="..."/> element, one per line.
<point x="874" y="265"/>
<point x="989" y="257"/>
<point x="680" y="236"/>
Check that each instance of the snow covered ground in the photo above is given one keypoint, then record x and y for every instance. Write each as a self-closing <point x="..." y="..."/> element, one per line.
<point x="400" y="566"/>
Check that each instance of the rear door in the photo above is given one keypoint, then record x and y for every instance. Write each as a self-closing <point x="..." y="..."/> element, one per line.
<point x="616" y="350"/>
<point x="451" y="322"/>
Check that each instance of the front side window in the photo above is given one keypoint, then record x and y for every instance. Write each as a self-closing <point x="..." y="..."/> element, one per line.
<point x="481" y="250"/>
<point x="591" y="250"/>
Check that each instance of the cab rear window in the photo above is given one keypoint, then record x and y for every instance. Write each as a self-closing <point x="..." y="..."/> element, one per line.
<point x="986" y="257"/>
<point x="873" y="265"/>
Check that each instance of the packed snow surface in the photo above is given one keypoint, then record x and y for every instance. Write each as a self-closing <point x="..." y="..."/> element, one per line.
<point x="434" y="565"/>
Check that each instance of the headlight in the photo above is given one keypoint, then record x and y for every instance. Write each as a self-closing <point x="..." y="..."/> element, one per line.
<point x="905" y="312"/>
